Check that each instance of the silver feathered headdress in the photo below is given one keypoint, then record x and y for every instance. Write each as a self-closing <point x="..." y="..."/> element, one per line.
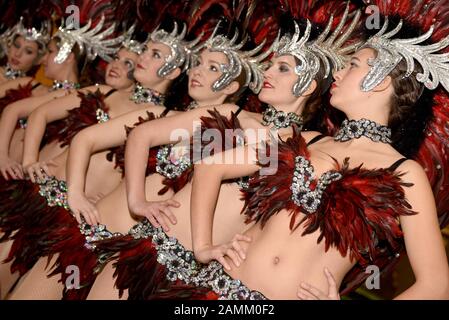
<point x="4" y="37"/>
<point x="239" y="60"/>
<point x="391" y="51"/>
<point x="326" y="48"/>
<point x="41" y="36"/>
<point x="181" y="51"/>
<point x="131" y="44"/>
<point x="91" y="41"/>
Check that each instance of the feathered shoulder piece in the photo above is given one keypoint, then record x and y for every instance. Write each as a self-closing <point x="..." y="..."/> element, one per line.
<point x="200" y="144"/>
<point x="429" y="121"/>
<point x="92" y="105"/>
<point x="118" y="153"/>
<point x="269" y="194"/>
<point x="354" y="210"/>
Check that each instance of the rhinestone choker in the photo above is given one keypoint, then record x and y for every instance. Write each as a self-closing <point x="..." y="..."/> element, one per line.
<point x="66" y="85"/>
<point x="192" y="105"/>
<point x="12" y="74"/>
<point x="280" y="119"/>
<point x="354" y="129"/>
<point x="145" y="95"/>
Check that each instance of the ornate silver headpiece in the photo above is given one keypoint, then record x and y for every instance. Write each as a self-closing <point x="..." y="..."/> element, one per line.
<point x="239" y="60"/>
<point x="91" y="41"/>
<point x="181" y="50"/>
<point x="41" y="36"/>
<point x="4" y="42"/>
<point x="327" y="48"/>
<point x="131" y="44"/>
<point x="391" y="51"/>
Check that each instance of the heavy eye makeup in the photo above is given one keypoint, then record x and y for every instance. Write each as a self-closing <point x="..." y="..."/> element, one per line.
<point x="213" y="66"/>
<point x="156" y="54"/>
<point x="283" y="67"/>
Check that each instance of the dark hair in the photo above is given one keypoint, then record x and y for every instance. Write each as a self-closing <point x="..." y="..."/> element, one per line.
<point x="177" y="97"/>
<point x="228" y="29"/>
<point x="411" y="110"/>
<point x="241" y="79"/>
<point x="411" y="103"/>
<point x="313" y="112"/>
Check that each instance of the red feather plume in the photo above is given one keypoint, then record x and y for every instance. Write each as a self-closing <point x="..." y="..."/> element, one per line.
<point x="216" y="122"/>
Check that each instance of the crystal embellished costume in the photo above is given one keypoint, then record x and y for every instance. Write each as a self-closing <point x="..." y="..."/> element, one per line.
<point x="80" y="244"/>
<point x="13" y="95"/>
<point x="362" y="204"/>
<point x="148" y="261"/>
<point x="71" y="242"/>
<point x="138" y="265"/>
<point x="27" y="209"/>
<point x="75" y="243"/>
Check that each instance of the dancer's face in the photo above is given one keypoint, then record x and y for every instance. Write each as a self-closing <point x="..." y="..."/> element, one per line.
<point x="279" y="80"/>
<point x="203" y="74"/>
<point x="149" y="62"/>
<point x="345" y="90"/>
<point x="23" y="54"/>
<point x="54" y="70"/>
<point x="119" y="72"/>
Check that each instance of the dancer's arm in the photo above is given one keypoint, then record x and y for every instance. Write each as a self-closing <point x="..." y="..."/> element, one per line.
<point x="156" y="133"/>
<point x="423" y="241"/>
<point x="88" y="141"/>
<point x="207" y="179"/>
<point x="36" y="123"/>
<point x="10" y="115"/>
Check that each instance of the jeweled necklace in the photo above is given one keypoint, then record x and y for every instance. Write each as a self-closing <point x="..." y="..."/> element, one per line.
<point x="354" y="129"/>
<point x="12" y="74"/>
<point x="66" y="85"/>
<point x="146" y="95"/>
<point x="280" y="119"/>
<point x="192" y="105"/>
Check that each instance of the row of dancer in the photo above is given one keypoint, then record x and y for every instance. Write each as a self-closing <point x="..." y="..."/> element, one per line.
<point x="174" y="229"/>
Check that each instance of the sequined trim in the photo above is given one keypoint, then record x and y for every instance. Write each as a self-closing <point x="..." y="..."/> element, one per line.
<point x="102" y="116"/>
<point x="66" y="85"/>
<point x="302" y="195"/>
<point x="146" y="95"/>
<point x="170" y="165"/>
<point x="12" y="74"/>
<point x="354" y="129"/>
<point x="95" y="233"/>
<point x="54" y="191"/>
<point x="243" y="183"/>
<point x="280" y="119"/>
<point x="23" y="123"/>
<point x="180" y="264"/>
<point x="213" y="276"/>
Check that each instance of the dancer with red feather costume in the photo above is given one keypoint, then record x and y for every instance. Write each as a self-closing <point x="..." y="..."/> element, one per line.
<point x="138" y="256"/>
<point x="69" y="236"/>
<point x="75" y="239"/>
<point x="430" y="120"/>
<point x="23" y="43"/>
<point x="24" y="203"/>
